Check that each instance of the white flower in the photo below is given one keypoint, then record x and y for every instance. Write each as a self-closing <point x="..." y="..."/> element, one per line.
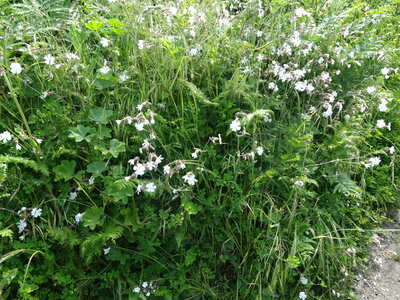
<point x="159" y="159"/>
<point x="139" y="126"/>
<point x="49" y="60"/>
<point x="167" y="169"/>
<point x="17" y="146"/>
<point x="193" y="52"/>
<point x="139" y="169"/>
<point x="325" y="76"/>
<point x="151" y="187"/>
<point x="21" y="210"/>
<point x="371" y="89"/>
<point x="106" y="250"/>
<point x="235" y="125"/>
<point x="145" y="284"/>
<point x="298" y="74"/>
<point x="73" y="195"/>
<point x="385" y="71"/>
<point x="150" y="165"/>
<point x="392" y="150"/>
<point x="148" y="294"/>
<point x="71" y="56"/>
<point x="382" y="107"/>
<point x="301" y="12"/>
<point x="139" y="189"/>
<point x="382" y="124"/>
<point x="104" y="42"/>
<point x="300" y="86"/>
<point x="36" y="212"/>
<point x="373" y="161"/>
<point x="190" y="178"/>
<point x="141" y="44"/>
<point x="39" y="141"/>
<point x="195" y="155"/>
<point x="104" y="70"/>
<point x="302" y="295"/>
<point x="259" y="33"/>
<point x="260" y="150"/>
<point x="5" y="137"/>
<point x="15" y="68"/>
<point x="136" y="290"/>
<point x="299" y="183"/>
<point x="260" y="57"/>
<point x="328" y="112"/>
<point x="273" y="86"/>
<point x="127" y="178"/>
<point x="21" y="225"/>
<point x="91" y="180"/>
<point x="303" y="280"/>
<point x="123" y="77"/>
<point x="173" y="10"/>
<point x="79" y="217"/>
<point x="181" y="165"/>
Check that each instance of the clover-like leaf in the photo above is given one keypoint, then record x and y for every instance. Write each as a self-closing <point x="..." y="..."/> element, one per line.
<point x="100" y="115"/>
<point x="80" y="133"/>
<point x="116" y="147"/>
<point x="103" y="132"/>
<point x="93" y="217"/>
<point x="65" y="170"/>
<point x="96" y="168"/>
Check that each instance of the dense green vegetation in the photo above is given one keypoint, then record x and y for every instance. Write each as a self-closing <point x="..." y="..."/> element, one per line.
<point x="194" y="149"/>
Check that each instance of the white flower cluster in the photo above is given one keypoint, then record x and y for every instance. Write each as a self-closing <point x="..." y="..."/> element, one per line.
<point x="146" y="288"/>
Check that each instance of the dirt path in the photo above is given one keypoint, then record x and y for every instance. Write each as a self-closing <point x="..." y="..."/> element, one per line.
<point x="382" y="280"/>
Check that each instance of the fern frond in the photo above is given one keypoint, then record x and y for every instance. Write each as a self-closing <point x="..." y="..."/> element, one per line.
<point x="26" y="162"/>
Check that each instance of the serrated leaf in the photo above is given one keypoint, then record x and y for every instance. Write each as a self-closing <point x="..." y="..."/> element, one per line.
<point x="119" y="190"/>
<point x="79" y="133"/>
<point x="103" y="132"/>
<point x="116" y="147"/>
<point x="100" y="115"/>
<point x="93" y="217"/>
<point x="94" y="25"/>
<point x="65" y="170"/>
<point x="96" y="168"/>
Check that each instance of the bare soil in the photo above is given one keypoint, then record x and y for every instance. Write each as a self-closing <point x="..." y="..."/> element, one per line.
<point x="380" y="280"/>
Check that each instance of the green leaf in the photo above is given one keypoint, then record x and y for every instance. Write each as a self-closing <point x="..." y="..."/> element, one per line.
<point x="179" y="236"/>
<point x="96" y="168"/>
<point x="65" y="170"/>
<point x="119" y="190"/>
<point x="103" y="132"/>
<point x="116" y="147"/>
<point x="94" y="25"/>
<point x="115" y="23"/>
<point x="116" y="255"/>
<point x="100" y="115"/>
<point x="79" y="133"/>
<point x="93" y="217"/>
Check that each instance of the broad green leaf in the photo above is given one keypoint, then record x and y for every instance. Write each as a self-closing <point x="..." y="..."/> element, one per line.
<point x="94" y="25"/>
<point x="96" y="168"/>
<point x="79" y="133"/>
<point x="116" y="147"/>
<point x="103" y="132"/>
<point x="93" y="217"/>
<point x="116" y="255"/>
<point x="100" y="115"/>
<point x="115" y="23"/>
<point x="65" y="170"/>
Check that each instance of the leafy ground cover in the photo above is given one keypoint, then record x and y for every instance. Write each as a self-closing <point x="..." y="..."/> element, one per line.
<point x="194" y="149"/>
